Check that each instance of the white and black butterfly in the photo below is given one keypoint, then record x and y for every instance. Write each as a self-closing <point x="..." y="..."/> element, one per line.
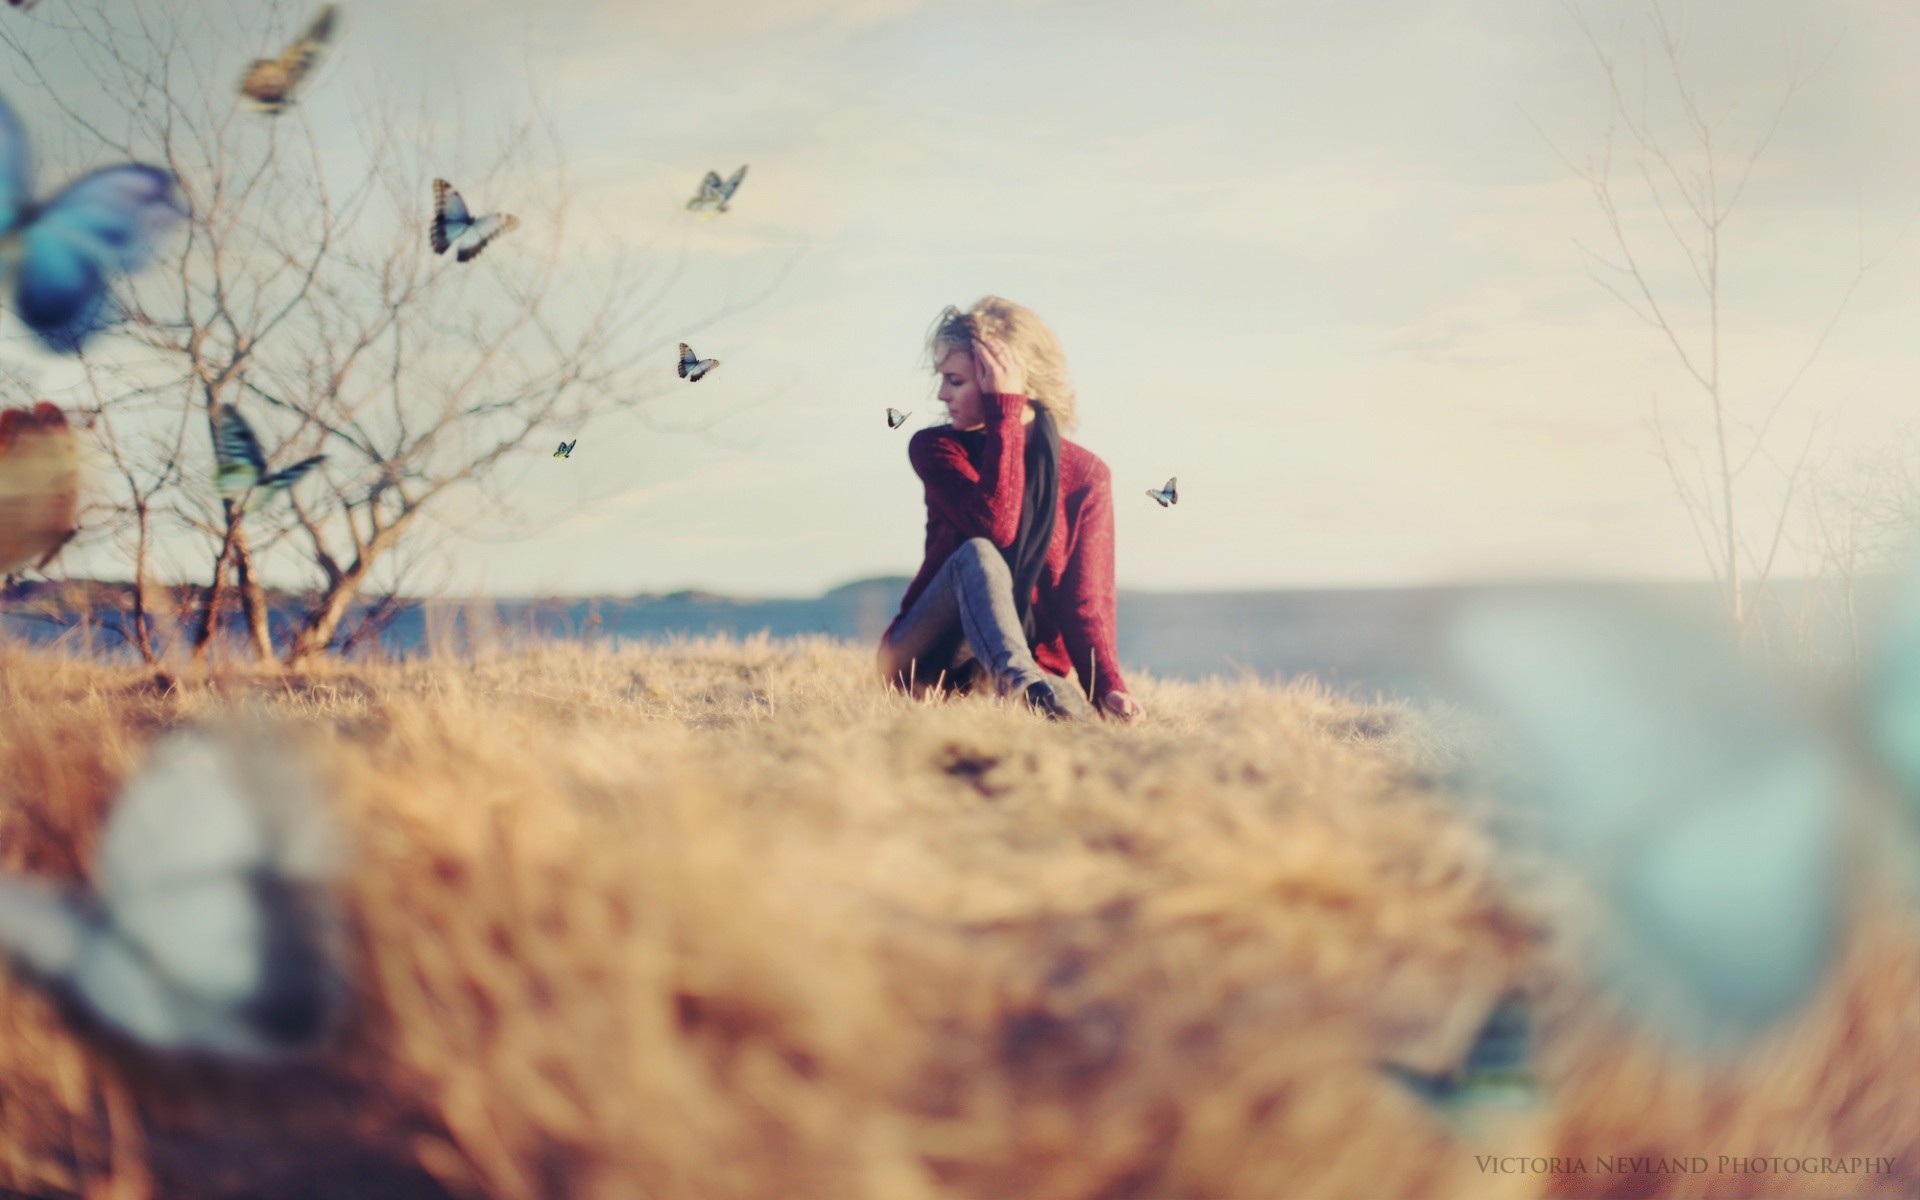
<point x="241" y="467"/>
<point x="713" y="194"/>
<point x="209" y="927"/>
<point x="454" y="225"/>
<point x="270" y="83"/>
<point x="693" y="368"/>
<point x="896" y="418"/>
<point x="566" y="449"/>
<point x="1166" y="495"/>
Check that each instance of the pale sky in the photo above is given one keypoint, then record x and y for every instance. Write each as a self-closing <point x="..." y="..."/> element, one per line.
<point x="1316" y="261"/>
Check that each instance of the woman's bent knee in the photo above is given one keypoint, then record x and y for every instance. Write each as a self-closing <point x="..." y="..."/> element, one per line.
<point x="981" y="555"/>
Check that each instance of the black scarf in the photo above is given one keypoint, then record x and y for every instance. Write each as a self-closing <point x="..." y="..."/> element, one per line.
<point x="1039" y="506"/>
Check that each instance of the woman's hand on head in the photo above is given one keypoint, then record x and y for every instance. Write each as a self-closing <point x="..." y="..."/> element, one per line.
<point x="995" y="369"/>
<point x="1122" y="707"/>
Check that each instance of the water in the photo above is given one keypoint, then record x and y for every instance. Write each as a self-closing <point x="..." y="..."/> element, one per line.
<point x="1367" y="641"/>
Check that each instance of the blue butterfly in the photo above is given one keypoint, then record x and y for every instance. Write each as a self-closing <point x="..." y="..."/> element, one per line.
<point x="61" y="256"/>
<point x="455" y="225"/>
<point x="693" y="368"/>
<point x="1704" y="803"/>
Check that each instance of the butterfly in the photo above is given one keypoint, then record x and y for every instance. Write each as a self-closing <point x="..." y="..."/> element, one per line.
<point x="209" y="928"/>
<point x="713" y="194"/>
<point x="240" y="465"/>
<point x="453" y="224"/>
<point x="23" y="5"/>
<point x="693" y="368"/>
<point x="270" y="83"/>
<point x="1166" y="495"/>
<point x="62" y="255"/>
<point x="39" y="485"/>
<point x="566" y="449"/>
<point x="1704" y="803"/>
<point x="896" y="418"/>
<point x="1496" y="1073"/>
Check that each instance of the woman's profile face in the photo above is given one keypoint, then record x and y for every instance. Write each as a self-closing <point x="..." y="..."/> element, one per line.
<point x="960" y="389"/>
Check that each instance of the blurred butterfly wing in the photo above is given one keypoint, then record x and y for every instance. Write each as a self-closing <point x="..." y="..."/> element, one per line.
<point x="211" y="867"/>
<point x="291" y="475"/>
<point x="102" y="225"/>
<point x="52" y="935"/>
<point x="698" y="370"/>
<point x="1493" y="1086"/>
<point x="709" y="193"/>
<point x="16" y="168"/>
<point x="41" y="927"/>
<point x="688" y="359"/>
<point x="450" y="217"/>
<point x="265" y="86"/>
<point x="484" y="231"/>
<point x="1436" y="1090"/>
<point x="1704" y="805"/>
<point x="1503" y="1048"/>
<point x="896" y="418"/>
<point x="121" y="986"/>
<point x="174" y="866"/>
<point x="1890" y="696"/>
<point x="270" y="83"/>
<point x="320" y="32"/>
<point x="732" y="185"/>
<point x="239" y="462"/>
<point x="39" y="485"/>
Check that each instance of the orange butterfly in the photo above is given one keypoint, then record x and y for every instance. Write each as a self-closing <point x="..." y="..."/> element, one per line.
<point x="39" y="485"/>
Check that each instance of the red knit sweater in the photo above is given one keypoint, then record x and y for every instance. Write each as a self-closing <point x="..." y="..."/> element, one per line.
<point x="1073" y="607"/>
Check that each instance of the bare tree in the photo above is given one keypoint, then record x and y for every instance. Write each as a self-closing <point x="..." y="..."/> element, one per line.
<point x="146" y="478"/>
<point x="305" y="293"/>
<point x="1862" y="515"/>
<point x="1688" y="173"/>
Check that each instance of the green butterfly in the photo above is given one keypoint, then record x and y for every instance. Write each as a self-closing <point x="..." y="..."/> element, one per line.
<point x="1496" y="1075"/>
<point x="241" y="467"/>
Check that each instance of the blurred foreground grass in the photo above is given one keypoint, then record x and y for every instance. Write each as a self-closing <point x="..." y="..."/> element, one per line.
<point x="728" y="920"/>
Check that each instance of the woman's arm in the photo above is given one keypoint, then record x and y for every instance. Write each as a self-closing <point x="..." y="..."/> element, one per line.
<point x="983" y="502"/>
<point x="1088" y="617"/>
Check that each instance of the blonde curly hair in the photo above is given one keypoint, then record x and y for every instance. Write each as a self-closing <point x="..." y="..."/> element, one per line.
<point x="1026" y="338"/>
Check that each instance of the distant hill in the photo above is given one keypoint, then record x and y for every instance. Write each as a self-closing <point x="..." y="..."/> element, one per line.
<point x="887" y="587"/>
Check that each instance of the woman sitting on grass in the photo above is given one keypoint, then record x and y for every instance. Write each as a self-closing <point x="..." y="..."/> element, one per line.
<point x="1018" y="577"/>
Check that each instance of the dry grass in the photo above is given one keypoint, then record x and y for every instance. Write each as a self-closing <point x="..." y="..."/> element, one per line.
<point x="725" y="920"/>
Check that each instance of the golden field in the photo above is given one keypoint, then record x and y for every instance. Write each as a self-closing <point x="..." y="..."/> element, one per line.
<point x="726" y="920"/>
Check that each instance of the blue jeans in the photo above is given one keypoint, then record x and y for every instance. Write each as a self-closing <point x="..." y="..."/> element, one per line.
<point x="969" y="601"/>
